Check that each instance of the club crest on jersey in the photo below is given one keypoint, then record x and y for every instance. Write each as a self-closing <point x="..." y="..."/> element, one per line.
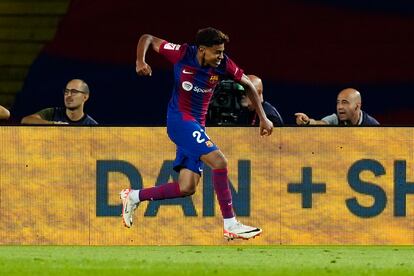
<point x="214" y="78"/>
<point x="209" y="144"/>
<point x="171" y="46"/>
<point x="187" y="86"/>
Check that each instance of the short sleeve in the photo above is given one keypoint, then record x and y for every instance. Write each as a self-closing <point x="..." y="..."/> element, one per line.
<point x="331" y="119"/>
<point x="172" y="52"/>
<point x="233" y="70"/>
<point x="47" y="113"/>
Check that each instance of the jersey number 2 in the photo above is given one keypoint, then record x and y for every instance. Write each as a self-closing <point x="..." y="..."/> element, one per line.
<point x="197" y="135"/>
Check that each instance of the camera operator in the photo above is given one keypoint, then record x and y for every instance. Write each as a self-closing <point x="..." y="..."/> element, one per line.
<point x="230" y="105"/>
<point x="225" y="105"/>
<point x="248" y="116"/>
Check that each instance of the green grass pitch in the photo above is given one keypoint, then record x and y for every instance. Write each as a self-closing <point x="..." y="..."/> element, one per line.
<point x="206" y="260"/>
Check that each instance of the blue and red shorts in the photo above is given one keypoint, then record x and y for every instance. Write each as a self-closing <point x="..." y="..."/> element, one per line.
<point x="192" y="142"/>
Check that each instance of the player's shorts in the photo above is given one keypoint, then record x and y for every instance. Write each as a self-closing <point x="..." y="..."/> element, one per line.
<point x="192" y="142"/>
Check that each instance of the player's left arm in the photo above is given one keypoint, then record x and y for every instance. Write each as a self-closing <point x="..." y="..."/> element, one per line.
<point x="266" y="126"/>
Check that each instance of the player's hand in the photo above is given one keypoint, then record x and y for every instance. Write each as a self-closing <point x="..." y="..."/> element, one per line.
<point x="143" y="69"/>
<point x="302" y="119"/>
<point x="266" y="127"/>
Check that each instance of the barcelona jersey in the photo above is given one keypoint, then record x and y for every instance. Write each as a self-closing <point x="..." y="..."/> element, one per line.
<point x="194" y="84"/>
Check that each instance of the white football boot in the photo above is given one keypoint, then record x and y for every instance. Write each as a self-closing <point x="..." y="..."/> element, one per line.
<point x="241" y="231"/>
<point x="128" y="207"/>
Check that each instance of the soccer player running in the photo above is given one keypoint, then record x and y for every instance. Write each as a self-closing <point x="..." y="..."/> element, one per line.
<point x="197" y="69"/>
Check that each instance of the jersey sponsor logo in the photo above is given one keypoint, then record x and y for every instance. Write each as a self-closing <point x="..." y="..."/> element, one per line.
<point x="201" y="90"/>
<point x="187" y="86"/>
<point x="209" y="144"/>
<point x="188" y="72"/>
<point x="171" y="46"/>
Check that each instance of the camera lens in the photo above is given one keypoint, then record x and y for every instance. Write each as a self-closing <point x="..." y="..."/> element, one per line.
<point x="223" y="99"/>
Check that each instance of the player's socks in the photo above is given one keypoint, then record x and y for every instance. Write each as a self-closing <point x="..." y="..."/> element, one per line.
<point x="221" y="186"/>
<point x="164" y="191"/>
<point x="229" y="222"/>
<point x="134" y="196"/>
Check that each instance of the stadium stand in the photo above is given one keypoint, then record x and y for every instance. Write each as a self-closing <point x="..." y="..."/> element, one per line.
<point x="25" y="27"/>
<point x="304" y="60"/>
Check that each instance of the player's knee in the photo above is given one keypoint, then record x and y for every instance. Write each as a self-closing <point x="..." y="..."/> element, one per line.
<point x="220" y="163"/>
<point x="187" y="191"/>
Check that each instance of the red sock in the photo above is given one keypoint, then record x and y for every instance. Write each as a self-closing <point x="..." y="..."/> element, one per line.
<point x="163" y="191"/>
<point x="221" y="186"/>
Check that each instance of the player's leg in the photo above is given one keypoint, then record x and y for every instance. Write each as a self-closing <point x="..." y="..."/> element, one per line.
<point x="188" y="181"/>
<point x="232" y="228"/>
<point x="189" y="168"/>
<point x="218" y="163"/>
<point x="186" y="186"/>
<point x="191" y="143"/>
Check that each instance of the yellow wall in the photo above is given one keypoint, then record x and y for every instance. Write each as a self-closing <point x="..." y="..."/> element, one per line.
<point x="49" y="176"/>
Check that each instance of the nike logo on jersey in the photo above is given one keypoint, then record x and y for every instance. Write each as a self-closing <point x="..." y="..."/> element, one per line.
<point x="188" y="72"/>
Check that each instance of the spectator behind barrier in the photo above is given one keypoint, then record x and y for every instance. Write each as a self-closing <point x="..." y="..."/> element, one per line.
<point x="4" y="113"/>
<point x="76" y="93"/>
<point x="248" y="115"/>
<point x="348" y="112"/>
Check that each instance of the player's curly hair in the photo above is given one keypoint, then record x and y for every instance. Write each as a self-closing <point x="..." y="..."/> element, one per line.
<point x="210" y="36"/>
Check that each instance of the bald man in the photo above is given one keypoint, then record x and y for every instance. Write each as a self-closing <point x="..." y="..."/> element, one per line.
<point x="76" y="93"/>
<point x="249" y="116"/>
<point x="348" y="112"/>
<point x="4" y="113"/>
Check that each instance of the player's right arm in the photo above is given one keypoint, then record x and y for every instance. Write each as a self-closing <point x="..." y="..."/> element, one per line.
<point x="145" y="41"/>
<point x="303" y="119"/>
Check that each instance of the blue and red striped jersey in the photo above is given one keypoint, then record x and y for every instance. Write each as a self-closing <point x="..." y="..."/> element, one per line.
<point x="194" y="84"/>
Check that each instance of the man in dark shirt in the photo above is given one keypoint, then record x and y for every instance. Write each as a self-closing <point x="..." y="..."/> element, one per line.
<point x="348" y="112"/>
<point x="76" y="93"/>
<point x="248" y="115"/>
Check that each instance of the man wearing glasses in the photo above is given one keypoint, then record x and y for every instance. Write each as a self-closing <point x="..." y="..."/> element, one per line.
<point x="75" y="94"/>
